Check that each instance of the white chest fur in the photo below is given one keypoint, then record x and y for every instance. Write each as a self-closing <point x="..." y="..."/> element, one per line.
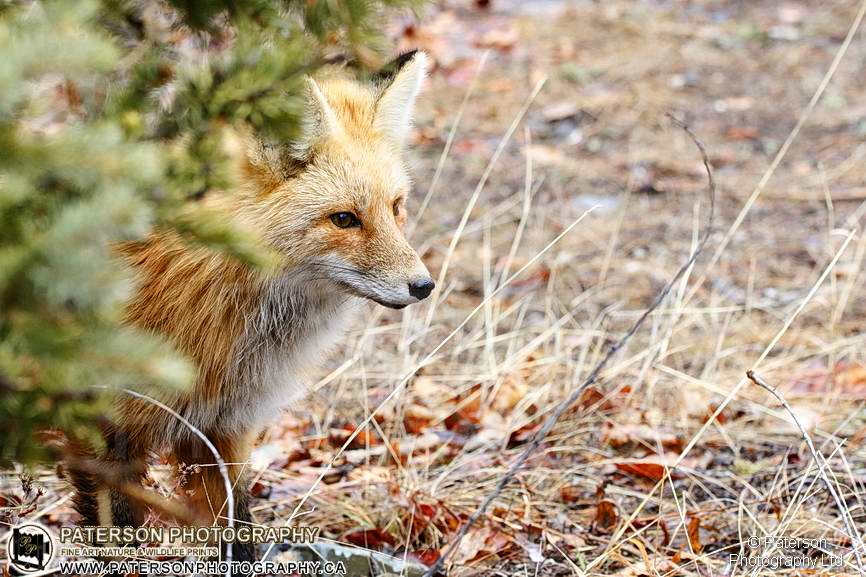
<point x="296" y="325"/>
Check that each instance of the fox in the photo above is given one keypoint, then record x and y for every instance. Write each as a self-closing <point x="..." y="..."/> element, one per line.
<point x="332" y="204"/>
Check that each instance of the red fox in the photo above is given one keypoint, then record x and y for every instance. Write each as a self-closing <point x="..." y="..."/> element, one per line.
<point x="332" y="204"/>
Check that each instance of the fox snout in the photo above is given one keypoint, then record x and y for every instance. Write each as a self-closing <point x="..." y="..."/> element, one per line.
<point x="394" y="293"/>
<point x="418" y="290"/>
<point x="393" y="279"/>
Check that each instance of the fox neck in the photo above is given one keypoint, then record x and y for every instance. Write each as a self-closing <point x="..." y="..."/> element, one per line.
<point x="293" y="324"/>
<point x="291" y="309"/>
<point x="255" y="339"/>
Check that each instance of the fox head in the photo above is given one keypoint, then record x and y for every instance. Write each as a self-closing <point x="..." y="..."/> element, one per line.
<point x="334" y="201"/>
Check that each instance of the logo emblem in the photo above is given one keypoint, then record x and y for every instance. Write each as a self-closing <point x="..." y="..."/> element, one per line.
<point x="30" y="547"/>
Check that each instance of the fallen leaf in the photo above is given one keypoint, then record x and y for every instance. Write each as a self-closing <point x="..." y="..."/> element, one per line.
<point x="365" y="438"/>
<point x="742" y="133"/>
<point x="619" y="435"/>
<point x="606" y="516"/>
<point x="570" y="494"/>
<point x="369" y="538"/>
<point x="851" y="378"/>
<point x="647" y="469"/>
<point x="694" y="534"/>
<point x="480" y="543"/>
<point x="416" y="419"/>
<point x="643" y="522"/>
<point x="421" y="517"/>
<point x="426" y="556"/>
<point x="260" y="490"/>
<point x="522" y="435"/>
<point x="566" y="540"/>
<point x="500" y="38"/>
<point x="511" y="392"/>
<point x="560" y="111"/>
<point x="593" y="398"/>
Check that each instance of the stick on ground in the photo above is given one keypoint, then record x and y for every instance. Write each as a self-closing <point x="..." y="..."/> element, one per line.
<point x="594" y="374"/>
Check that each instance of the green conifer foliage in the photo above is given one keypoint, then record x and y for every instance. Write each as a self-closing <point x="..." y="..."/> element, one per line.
<point x="112" y="120"/>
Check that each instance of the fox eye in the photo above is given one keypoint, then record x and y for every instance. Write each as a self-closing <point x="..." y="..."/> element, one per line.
<point x="345" y="220"/>
<point x="397" y="206"/>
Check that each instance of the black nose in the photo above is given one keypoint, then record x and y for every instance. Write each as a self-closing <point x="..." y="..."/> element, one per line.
<point x="421" y="289"/>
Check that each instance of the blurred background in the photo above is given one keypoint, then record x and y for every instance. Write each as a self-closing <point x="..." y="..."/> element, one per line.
<point x="535" y="113"/>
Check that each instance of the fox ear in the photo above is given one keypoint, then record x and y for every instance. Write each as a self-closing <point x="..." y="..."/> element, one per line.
<point x="402" y="80"/>
<point x="319" y="121"/>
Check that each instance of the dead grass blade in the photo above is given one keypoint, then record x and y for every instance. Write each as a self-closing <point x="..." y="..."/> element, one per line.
<point x="821" y="463"/>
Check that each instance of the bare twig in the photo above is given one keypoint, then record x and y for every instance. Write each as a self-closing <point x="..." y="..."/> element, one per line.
<point x="594" y="374"/>
<point x="853" y="535"/>
<point x="221" y="464"/>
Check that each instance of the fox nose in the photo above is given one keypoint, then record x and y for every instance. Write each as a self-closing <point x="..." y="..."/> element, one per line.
<point x="421" y="289"/>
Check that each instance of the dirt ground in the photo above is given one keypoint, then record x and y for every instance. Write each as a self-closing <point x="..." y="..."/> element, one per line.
<point x="673" y="459"/>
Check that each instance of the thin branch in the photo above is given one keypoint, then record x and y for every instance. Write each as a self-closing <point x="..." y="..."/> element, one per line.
<point x="595" y="373"/>
<point x="221" y="464"/>
<point x="853" y="535"/>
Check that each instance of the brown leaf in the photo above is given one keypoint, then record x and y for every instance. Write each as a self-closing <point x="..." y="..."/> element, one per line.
<point x="643" y="522"/>
<point x="742" y="133"/>
<point x="422" y="515"/>
<point x="365" y="438"/>
<point x="369" y="538"/>
<point x="466" y="419"/>
<point x="522" y="435"/>
<point x="480" y="543"/>
<point x="509" y="394"/>
<point x="851" y="378"/>
<point x="417" y="419"/>
<point x="296" y="455"/>
<point x="620" y="435"/>
<point x="536" y="280"/>
<point x="721" y="418"/>
<point x="566" y="540"/>
<point x="260" y="490"/>
<point x="592" y="397"/>
<point x="426" y="556"/>
<point x="648" y="469"/>
<point x="606" y="516"/>
<point x="694" y="533"/>
<point x="500" y="38"/>
<point x="570" y="494"/>
<point x="426" y="511"/>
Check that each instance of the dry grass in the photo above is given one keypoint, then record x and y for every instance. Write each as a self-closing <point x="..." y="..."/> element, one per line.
<point x="673" y="460"/>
